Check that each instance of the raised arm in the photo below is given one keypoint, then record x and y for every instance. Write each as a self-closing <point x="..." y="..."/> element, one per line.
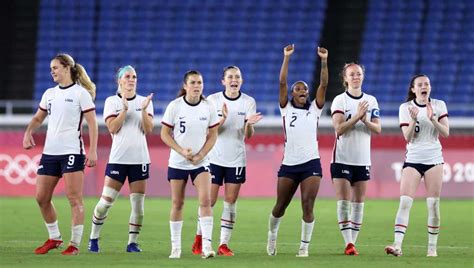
<point x="287" y="51"/>
<point x="147" y="120"/>
<point x="323" y="84"/>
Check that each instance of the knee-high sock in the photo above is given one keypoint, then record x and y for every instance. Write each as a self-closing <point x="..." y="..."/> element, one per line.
<point x="53" y="230"/>
<point x="434" y="220"/>
<point x="198" y="228"/>
<point x="357" y="215"/>
<point x="100" y="214"/>
<point x="137" y="201"/>
<point x="401" y="221"/>
<point x="175" y="229"/>
<point x="206" y="227"/>
<point x="229" y="214"/>
<point x="343" y="213"/>
<point x="306" y="233"/>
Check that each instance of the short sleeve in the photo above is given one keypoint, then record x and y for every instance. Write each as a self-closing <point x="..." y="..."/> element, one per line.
<point x="213" y="119"/>
<point x="85" y="101"/>
<point x="43" y="105"/>
<point x="337" y="105"/>
<point x="109" y="108"/>
<point x="168" y="117"/>
<point x="443" y="110"/>
<point x="251" y="107"/>
<point x="284" y="110"/>
<point x="375" y="111"/>
<point x="403" y="115"/>
<point x="150" y="110"/>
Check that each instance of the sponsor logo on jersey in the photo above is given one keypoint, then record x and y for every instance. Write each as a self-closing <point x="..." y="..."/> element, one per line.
<point x="138" y="109"/>
<point x="204" y="118"/>
<point x="116" y="172"/>
<point x="68" y="100"/>
<point x="181" y="117"/>
<point x="241" y="113"/>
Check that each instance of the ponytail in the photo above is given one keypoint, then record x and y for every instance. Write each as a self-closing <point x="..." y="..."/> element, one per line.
<point x="83" y="79"/>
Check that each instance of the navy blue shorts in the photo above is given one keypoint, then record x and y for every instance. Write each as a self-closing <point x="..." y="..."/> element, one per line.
<point x="421" y="168"/>
<point x="221" y="175"/>
<point x="350" y="172"/>
<point x="183" y="174"/>
<point x="120" y="172"/>
<point x="302" y="171"/>
<point x="57" y="165"/>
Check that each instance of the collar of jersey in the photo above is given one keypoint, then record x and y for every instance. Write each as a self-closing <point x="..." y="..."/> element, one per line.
<point x="232" y="99"/>
<point x="354" y="97"/>
<point x="420" y="105"/>
<point x="129" y="99"/>
<point x="305" y="107"/>
<point x="190" y="104"/>
<point x="66" y="87"/>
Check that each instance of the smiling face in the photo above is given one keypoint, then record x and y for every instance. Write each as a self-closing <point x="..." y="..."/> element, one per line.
<point x="60" y="73"/>
<point x="232" y="81"/>
<point x="194" y="85"/>
<point x="300" y="93"/>
<point x="354" y="76"/>
<point x="421" y="88"/>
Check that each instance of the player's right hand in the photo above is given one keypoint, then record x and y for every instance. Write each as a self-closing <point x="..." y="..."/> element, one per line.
<point x="289" y="49"/>
<point x="28" y="141"/>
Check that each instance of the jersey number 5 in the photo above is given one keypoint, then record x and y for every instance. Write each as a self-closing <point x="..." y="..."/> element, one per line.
<point x="182" y="127"/>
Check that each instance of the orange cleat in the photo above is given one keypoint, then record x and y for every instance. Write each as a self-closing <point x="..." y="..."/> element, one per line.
<point x="351" y="250"/>
<point x="48" y="245"/>
<point x="224" y="250"/>
<point x="71" y="250"/>
<point x="197" y="245"/>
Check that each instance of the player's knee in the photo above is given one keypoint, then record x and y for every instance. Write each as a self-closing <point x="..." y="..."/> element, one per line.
<point x="177" y="204"/>
<point x="433" y="206"/>
<point x="405" y="202"/>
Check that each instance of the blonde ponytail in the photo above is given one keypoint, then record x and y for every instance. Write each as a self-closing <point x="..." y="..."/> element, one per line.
<point x="84" y="80"/>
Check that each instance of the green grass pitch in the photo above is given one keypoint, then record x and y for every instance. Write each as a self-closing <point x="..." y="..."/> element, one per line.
<point x="22" y="229"/>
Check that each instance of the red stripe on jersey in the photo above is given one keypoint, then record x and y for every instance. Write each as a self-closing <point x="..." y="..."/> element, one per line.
<point x="150" y="114"/>
<point x="214" y="125"/>
<point x="88" y="110"/>
<point x="442" y="116"/>
<point x="42" y="109"/>
<point x="337" y="112"/>
<point x="404" y="124"/>
<point x="166" y="124"/>
<point x="112" y="115"/>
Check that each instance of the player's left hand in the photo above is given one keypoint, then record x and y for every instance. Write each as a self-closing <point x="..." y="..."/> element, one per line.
<point x="429" y="111"/>
<point x="91" y="159"/>
<point x="323" y="53"/>
<point x="146" y="102"/>
<point x="253" y="119"/>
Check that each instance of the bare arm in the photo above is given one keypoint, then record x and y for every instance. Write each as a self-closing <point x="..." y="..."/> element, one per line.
<point x="91" y="158"/>
<point x="147" y="120"/>
<point x="373" y="125"/>
<point x="166" y="137"/>
<point x="251" y="120"/>
<point x="210" y="141"/>
<point x="223" y="118"/>
<point x="288" y="50"/>
<point x="442" y="126"/>
<point x="114" y="124"/>
<point x="323" y="84"/>
<point x="35" y="123"/>
<point x="340" y="123"/>
<point x="409" y="131"/>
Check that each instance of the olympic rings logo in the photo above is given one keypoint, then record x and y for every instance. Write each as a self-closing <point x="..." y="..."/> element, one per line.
<point x="20" y="168"/>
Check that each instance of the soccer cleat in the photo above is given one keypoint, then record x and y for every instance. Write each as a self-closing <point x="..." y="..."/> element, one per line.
<point x="208" y="253"/>
<point x="302" y="252"/>
<point x="197" y="245"/>
<point x="71" y="250"/>
<point x="351" y="250"/>
<point x="94" y="245"/>
<point x="48" y="245"/>
<point x="393" y="250"/>
<point x="133" y="247"/>
<point x="432" y="252"/>
<point x="271" y="244"/>
<point x="175" y="253"/>
<point x="224" y="250"/>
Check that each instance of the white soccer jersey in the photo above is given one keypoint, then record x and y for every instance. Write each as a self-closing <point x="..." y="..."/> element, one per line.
<point x="353" y="147"/>
<point x="300" y="126"/>
<point x="190" y="123"/>
<point x="129" y="144"/>
<point x="229" y="150"/>
<point x="65" y="108"/>
<point x="424" y="147"/>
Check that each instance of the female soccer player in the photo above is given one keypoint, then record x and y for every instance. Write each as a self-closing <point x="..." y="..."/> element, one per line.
<point x="129" y="117"/>
<point x="301" y="165"/>
<point x="237" y="112"/>
<point x="422" y="120"/>
<point x="355" y="115"/>
<point x="63" y="154"/>
<point x="189" y="128"/>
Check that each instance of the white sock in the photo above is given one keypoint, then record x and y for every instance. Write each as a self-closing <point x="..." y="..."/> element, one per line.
<point x="343" y="207"/>
<point x="434" y="220"/>
<point x="227" y="222"/>
<point x="53" y="230"/>
<point x="76" y="235"/>
<point x="306" y="233"/>
<point x="401" y="221"/>
<point x="137" y="201"/>
<point x="175" y="228"/>
<point x="198" y="228"/>
<point x="206" y="227"/>
<point x="273" y="224"/>
<point x="98" y="218"/>
<point x="357" y="214"/>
